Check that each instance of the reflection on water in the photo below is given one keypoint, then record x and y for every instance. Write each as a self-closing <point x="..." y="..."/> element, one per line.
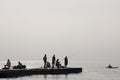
<point x="66" y="77"/>
<point x="40" y="77"/>
<point x="55" y="77"/>
<point x="45" y="76"/>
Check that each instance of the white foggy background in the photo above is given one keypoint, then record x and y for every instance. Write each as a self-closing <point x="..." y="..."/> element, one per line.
<point x="84" y="30"/>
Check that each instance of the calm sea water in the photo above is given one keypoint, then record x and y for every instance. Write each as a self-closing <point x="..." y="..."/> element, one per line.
<point x="91" y="71"/>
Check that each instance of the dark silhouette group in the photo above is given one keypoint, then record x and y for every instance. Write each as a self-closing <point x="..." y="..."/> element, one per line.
<point x="19" y="66"/>
<point x="55" y="62"/>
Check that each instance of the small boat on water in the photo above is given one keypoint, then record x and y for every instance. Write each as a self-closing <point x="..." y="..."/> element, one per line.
<point x="111" y="67"/>
<point x="7" y="73"/>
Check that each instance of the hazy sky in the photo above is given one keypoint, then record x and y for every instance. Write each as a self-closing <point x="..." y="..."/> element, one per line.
<point x="81" y="29"/>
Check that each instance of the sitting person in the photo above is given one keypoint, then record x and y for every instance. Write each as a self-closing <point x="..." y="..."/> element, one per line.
<point x="19" y="66"/>
<point x="58" y="63"/>
<point x="8" y="65"/>
<point x="48" y="64"/>
<point x="109" y="66"/>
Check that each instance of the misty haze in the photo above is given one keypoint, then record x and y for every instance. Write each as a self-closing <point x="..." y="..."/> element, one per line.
<point x="83" y="30"/>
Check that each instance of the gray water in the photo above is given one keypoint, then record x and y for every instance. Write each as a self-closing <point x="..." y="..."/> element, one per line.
<point x="91" y="71"/>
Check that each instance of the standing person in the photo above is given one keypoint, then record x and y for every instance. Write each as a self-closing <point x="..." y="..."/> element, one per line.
<point x="65" y="61"/>
<point x="45" y="61"/>
<point x="53" y="61"/>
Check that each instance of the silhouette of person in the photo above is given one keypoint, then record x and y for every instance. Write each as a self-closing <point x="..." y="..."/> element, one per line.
<point x="45" y="61"/>
<point x="58" y="63"/>
<point x="20" y="64"/>
<point x="48" y="64"/>
<point x="66" y="61"/>
<point x="109" y="66"/>
<point x="53" y="61"/>
<point x="8" y="65"/>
